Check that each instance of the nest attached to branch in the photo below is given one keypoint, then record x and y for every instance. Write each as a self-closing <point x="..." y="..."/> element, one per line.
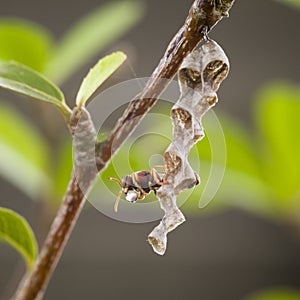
<point x="200" y="76"/>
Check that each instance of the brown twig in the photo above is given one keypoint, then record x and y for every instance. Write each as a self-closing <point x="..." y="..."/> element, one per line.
<point x="35" y="283"/>
<point x="203" y="15"/>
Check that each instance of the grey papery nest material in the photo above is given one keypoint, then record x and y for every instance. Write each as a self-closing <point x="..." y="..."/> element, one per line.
<point x="200" y="76"/>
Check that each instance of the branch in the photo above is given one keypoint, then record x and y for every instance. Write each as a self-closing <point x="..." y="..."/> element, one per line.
<point x="203" y="15"/>
<point x="34" y="284"/>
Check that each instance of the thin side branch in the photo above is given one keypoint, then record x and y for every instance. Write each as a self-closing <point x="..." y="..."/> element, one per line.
<point x="203" y="15"/>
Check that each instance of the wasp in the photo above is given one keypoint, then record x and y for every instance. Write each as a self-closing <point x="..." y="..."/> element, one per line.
<point x="138" y="184"/>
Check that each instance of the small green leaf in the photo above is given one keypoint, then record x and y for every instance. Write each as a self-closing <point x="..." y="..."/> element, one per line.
<point x="276" y="294"/>
<point x="24" y="153"/>
<point x="21" y="79"/>
<point x="97" y="75"/>
<point x="91" y="35"/>
<point x="25" y="42"/>
<point x="15" y="231"/>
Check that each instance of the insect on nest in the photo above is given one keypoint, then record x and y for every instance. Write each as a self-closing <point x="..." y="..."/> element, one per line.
<point x="138" y="185"/>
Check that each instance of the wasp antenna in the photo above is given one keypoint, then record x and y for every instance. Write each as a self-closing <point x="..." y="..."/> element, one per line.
<point x="115" y="180"/>
<point x="117" y="202"/>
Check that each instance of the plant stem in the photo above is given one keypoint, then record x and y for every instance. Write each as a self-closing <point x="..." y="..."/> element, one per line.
<point x="203" y="15"/>
<point x="34" y="284"/>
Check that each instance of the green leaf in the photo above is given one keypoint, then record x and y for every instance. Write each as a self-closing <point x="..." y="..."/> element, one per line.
<point x="277" y="117"/>
<point x="25" y="42"/>
<point x="91" y="35"/>
<point x="276" y="294"/>
<point x="15" y="231"/>
<point x="21" y="79"/>
<point x="24" y="153"/>
<point x="292" y="3"/>
<point x="97" y="75"/>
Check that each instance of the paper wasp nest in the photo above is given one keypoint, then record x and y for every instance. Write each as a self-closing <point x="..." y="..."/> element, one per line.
<point x="200" y="76"/>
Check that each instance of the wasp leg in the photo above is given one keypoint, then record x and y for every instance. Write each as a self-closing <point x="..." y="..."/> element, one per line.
<point x="117" y="201"/>
<point x="162" y="167"/>
<point x="156" y="179"/>
<point x="142" y="196"/>
<point x="162" y="182"/>
<point x="159" y="167"/>
<point x="153" y="171"/>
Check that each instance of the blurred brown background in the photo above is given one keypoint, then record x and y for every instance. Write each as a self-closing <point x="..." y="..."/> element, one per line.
<point x="220" y="256"/>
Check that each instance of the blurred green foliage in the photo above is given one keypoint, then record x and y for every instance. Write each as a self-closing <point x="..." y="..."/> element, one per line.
<point x="276" y="294"/>
<point x="262" y="171"/>
<point x="277" y="119"/>
<point x="26" y="51"/>
<point x="25" y="42"/>
<point x="32" y="45"/>
<point x="22" y="146"/>
<point x="91" y="35"/>
<point x="292" y="3"/>
<point x="262" y="166"/>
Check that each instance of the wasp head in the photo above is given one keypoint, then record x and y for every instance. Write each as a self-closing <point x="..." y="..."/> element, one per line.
<point x="131" y="196"/>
